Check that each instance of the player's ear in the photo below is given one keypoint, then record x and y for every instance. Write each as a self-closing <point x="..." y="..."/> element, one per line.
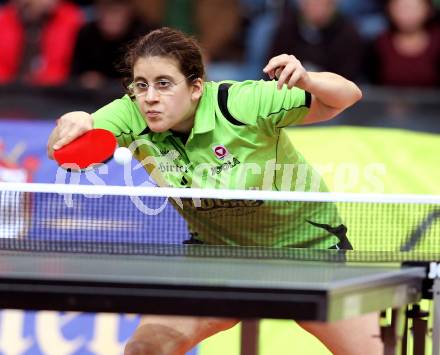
<point x="197" y="89"/>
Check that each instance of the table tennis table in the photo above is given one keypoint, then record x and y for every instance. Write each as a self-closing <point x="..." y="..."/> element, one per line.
<point x="197" y="280"/>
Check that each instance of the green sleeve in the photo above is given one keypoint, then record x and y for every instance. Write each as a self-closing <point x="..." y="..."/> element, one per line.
<point x="121" y="117"/>
<point x="252" y="101"/>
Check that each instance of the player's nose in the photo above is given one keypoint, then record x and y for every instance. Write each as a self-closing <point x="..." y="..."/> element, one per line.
<point x="151" y="95"/>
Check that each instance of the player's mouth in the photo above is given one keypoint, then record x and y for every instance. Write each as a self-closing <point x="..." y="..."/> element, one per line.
<point x="153" y="114"/>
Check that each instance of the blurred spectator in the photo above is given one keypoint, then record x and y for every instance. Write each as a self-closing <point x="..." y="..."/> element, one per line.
<point x="36" y="40"/>
<point x="101" y="43"/>
<point x="217" y="24"/>
<point x="408" y="54"/>
<point x="261" y="19"/>
<point x="368" y="16"/>
<point x="320" y="37"/>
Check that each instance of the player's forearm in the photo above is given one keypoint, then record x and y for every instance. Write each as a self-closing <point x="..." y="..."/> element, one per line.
<point x="332" y="90"/>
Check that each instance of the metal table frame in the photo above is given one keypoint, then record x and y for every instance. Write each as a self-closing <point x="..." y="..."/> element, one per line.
<point x="186" y="285"/>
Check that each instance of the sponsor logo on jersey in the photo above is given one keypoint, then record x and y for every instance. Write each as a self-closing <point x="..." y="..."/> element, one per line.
<point x="220" y="151"/>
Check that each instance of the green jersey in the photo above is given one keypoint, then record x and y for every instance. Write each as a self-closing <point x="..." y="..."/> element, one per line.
<point x="237" y="142"/>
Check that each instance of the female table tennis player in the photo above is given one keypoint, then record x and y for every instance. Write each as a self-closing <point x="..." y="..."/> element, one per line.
<point x="225" y="124"/>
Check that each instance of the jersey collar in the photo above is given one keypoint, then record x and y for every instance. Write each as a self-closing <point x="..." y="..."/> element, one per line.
<point x="156" y="137"/>
<point x="205" y="115"/>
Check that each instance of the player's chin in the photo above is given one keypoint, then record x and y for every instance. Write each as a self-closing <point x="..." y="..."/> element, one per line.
<point x="157" y="126"/>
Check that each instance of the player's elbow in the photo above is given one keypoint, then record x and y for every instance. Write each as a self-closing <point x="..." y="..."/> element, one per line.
<point x="355" y="95"/>
<point x="347" y="97"/>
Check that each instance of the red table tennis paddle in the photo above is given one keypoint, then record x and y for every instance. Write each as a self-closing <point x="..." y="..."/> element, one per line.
<point x="92" y="148"/>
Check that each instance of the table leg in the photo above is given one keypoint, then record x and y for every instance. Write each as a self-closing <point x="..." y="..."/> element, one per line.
<point x="436" y="324"/>
<point x="249" y="337"/>
<point x="392" y="332"/>
<point x="419" y="328"/>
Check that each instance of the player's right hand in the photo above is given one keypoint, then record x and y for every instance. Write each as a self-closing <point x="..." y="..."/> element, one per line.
<point x="70" y="126"/>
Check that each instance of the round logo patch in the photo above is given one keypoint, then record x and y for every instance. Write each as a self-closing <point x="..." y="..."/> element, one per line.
<point x="220" y="151"/>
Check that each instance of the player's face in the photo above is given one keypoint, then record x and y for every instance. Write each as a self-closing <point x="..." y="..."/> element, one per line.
<point x="163" y="94"/>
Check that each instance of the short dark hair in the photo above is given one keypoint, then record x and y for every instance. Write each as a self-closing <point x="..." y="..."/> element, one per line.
<point x="168" y="43"/>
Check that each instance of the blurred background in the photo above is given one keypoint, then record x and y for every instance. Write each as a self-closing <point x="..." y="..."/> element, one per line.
<point x="58" y="56"/>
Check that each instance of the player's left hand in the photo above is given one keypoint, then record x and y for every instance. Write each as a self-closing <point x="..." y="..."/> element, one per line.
<point x="289" y="70"/>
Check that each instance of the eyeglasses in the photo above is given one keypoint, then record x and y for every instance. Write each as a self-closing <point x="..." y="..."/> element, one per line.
<point x="162" y="87"/>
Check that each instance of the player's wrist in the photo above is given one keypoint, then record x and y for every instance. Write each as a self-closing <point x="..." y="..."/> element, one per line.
<point x="305" y="83"/>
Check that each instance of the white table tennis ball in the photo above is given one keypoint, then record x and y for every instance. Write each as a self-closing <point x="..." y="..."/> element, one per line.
<point x="122" y="155"/>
